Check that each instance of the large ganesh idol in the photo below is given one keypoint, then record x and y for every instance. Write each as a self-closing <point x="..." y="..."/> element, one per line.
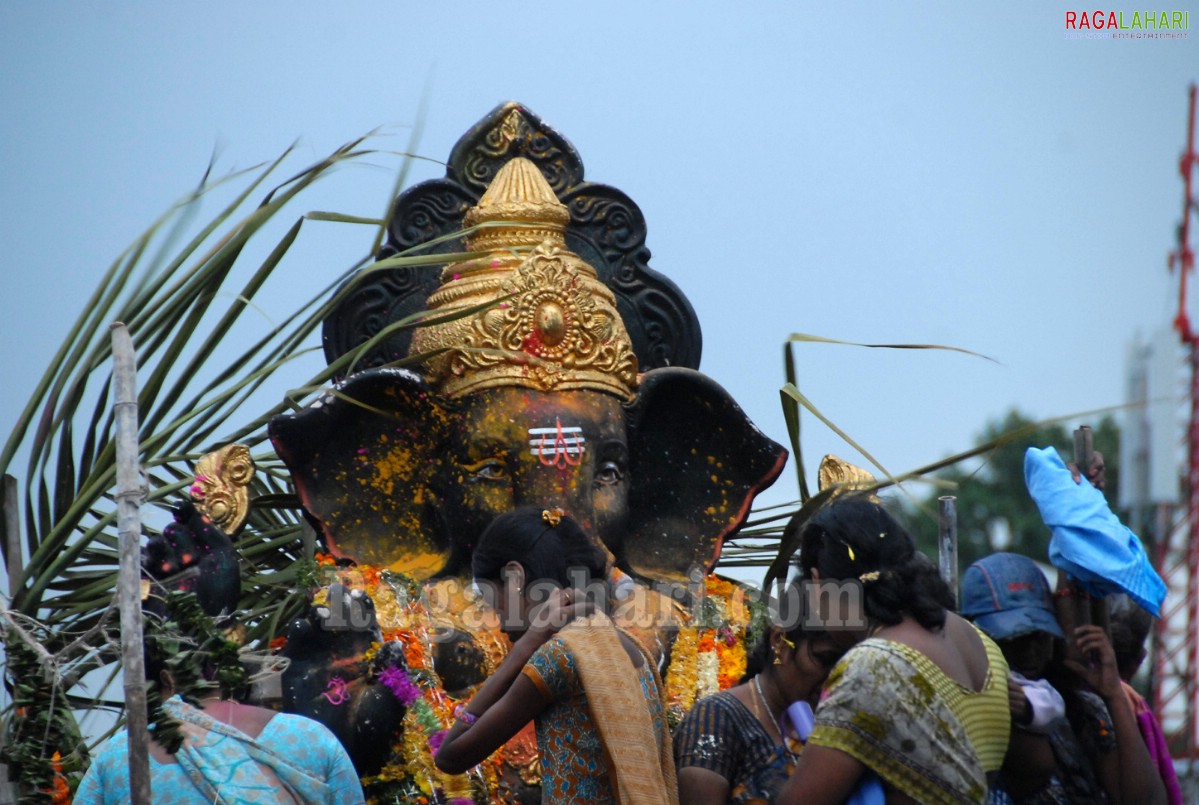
<point x="559" y="372"/>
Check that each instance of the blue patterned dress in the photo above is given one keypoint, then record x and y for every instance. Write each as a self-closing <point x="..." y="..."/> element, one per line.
<point x="720" y="734"/>
<point x="574" y="767"/>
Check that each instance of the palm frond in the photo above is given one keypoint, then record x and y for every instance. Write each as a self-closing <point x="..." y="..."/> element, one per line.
<point x="183" y="289"/>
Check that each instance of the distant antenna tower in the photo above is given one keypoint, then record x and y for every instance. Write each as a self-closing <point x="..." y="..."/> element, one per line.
<point x="1176" y="643"/>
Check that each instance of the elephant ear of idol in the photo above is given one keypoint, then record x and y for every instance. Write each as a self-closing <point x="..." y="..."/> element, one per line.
<point x="363" y="465"/>
<point x="698" y="462"/>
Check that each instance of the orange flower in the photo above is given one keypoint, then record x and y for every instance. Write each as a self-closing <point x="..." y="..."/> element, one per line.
<point x="370" y="576"/>
<point x="732" y="663"/>
<point x="60" y="792"/>
<point x="732" y="595"/>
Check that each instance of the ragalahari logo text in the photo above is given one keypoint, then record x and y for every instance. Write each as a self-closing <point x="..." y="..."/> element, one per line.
<point x="1101" y="24"/>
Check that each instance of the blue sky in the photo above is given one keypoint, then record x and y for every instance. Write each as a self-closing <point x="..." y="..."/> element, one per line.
<point x="941" y="172"/>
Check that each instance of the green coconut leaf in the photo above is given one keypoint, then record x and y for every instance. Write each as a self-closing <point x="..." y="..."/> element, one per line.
<point x="183" y="288"/>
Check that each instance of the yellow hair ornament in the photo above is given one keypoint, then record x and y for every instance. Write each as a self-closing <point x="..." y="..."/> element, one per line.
<point x="869" y="576"/>
<point x="553" y="516"/>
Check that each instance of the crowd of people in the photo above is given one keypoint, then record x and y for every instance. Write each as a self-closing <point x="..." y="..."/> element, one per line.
<point x="895" y="694"/>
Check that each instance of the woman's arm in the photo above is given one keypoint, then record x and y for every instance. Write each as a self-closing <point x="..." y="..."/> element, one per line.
<point x="507" y="701"/>
<point x="708" y="752"/>
<point x="700" y="786"/>
<point x="1128" y="773"/>
<point x="466" y="746"/>
<point x="823" y="776"/>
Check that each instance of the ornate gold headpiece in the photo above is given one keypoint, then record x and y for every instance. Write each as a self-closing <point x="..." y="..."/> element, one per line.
<point x="222" y="486"/>
<point x="555" y="326"/>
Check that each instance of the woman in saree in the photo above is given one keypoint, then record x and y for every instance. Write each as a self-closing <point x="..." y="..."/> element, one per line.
<point x="918" y="706"/>
<point x="740" y="745"/>
<point x="230" y="752"/>
<point x="593" y="693"/>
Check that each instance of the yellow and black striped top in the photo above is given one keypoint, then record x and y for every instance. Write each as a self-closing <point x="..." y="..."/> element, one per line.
<point x="896" y="711"/>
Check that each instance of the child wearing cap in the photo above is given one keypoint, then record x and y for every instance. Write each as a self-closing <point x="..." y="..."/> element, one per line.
<point x="1007" y="596"/>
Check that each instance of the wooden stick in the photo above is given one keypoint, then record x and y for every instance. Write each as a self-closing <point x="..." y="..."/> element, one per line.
<point x="129" y="530"/>
<point x="1080" y="603"/>
<point x="1088" y="610"/>
<point x="1084" y="457"/>
<point x="1084" y="450"/>
<point x="12" y="535"/>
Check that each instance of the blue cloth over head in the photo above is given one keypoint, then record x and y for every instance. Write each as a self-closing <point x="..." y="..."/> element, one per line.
<point x="1089" y="542"/>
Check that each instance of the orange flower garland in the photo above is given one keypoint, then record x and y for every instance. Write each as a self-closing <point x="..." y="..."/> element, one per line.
<point x="405" y="618"/>
<point x="708" y="653"/>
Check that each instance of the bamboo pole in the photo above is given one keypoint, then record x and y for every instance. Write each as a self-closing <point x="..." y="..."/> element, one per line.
<point x="12" y="544"/>
<point x="1084" y="450"/>
<point x="129" y="528"/>
<point x="947" y="542"/>
<point x="12" y="535"/>
<point x="1083" y="456"/>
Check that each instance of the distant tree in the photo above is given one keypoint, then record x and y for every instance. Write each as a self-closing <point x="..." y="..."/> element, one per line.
<point x="991" y="496"/>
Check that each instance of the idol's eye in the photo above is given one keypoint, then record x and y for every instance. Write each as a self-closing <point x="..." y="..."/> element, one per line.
<point x="489" y="469"/>
<point x="609" y="473"/>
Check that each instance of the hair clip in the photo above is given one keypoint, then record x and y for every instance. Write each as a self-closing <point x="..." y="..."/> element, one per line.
<point x="869" y="576"/>
<point x="553" y="516"/>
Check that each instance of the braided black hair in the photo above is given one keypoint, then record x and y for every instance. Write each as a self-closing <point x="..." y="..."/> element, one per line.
<point x="856" y="538"/>
<point x="546" y="549"/>
<point x="798" y="630"/>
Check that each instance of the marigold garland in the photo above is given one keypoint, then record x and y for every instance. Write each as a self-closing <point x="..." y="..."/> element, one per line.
<point x="708" y="655"/>
<point x="403" y="663"/>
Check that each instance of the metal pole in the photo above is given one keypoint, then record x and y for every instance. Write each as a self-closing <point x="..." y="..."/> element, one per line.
<point x="129" y="528"/>
<point x="947" y="542"/>
<point x="1179" y="565"/>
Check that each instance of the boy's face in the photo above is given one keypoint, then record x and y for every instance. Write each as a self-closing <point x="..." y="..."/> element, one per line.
<point x="1029" y="654"/>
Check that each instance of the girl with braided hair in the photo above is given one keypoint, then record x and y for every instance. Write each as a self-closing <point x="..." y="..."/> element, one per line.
<point x="590" y="688"/>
